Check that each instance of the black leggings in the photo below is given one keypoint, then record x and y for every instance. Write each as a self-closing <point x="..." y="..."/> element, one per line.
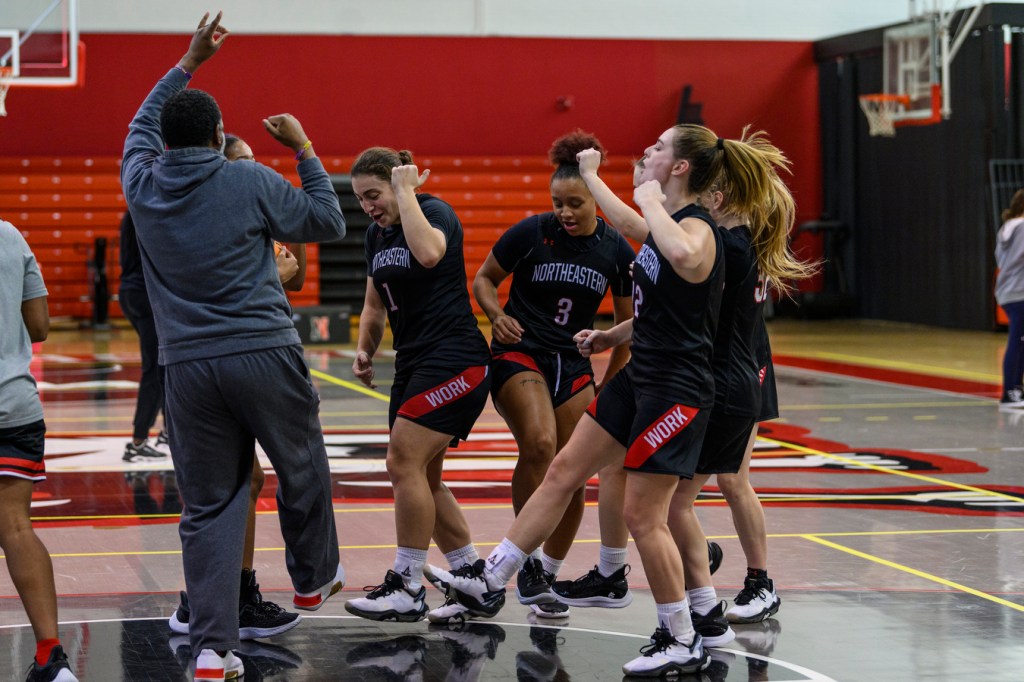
<point x="135" y="304"/>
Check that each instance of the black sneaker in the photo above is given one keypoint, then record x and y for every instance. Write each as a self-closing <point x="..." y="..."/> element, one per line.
<point x="713" y="627"/>
<point x="162" y="444"/>
<point x="258" y="618"/>
<point x="594" y="589"/>
<point x="179" y="621"/>
<point x="543" y="664"/>
<point x="533" y="584"/>
<point x="714" y="556"/>
<point x="141" y="453"/>
<point x="1012" y="397"/>
<point x="57" y="668"/>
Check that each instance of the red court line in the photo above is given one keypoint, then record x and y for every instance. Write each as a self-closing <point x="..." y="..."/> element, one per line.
<point x="981" y="389"/>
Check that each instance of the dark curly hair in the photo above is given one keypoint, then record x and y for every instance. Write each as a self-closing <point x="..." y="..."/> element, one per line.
<point x="378" y="162"/>
<point x="189" y="119"/>
<point x="564" y="150"/>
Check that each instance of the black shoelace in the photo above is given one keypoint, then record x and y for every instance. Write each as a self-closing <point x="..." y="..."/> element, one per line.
<point x="751" y="591"/>
<point x="661" y="640"/>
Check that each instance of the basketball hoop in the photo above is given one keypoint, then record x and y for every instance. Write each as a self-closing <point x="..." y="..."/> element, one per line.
<point x="881" y="111"/>
<point x="6" y="73"/>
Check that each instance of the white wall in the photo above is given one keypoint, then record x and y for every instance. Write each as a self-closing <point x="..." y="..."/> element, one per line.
<point x="647" y="19"/>
<point x="673" y="19"/>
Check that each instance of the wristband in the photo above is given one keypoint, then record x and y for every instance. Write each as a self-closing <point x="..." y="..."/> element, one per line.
<point x="298" y="154"/>
<point x="181" y="68"/>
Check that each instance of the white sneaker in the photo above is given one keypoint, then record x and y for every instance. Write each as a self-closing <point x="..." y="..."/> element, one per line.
<point x="401" y="658"/>
<point x="391" y="600"/>
<point x="211" y="667"/>
<point x="468" y="586"/>
<point x="311" y="601"/>
<point x="666" y="655"/>
<point x="755" y="602"/>
<point x="451" y="612"/>
<point x="761" y="637"/>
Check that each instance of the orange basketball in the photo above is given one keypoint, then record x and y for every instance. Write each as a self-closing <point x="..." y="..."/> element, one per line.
<point x="278" y="246"/>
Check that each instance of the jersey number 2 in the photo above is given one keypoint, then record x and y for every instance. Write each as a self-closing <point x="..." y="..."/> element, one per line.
<point x="564" y="306"/>
<point x="638" y="299"/>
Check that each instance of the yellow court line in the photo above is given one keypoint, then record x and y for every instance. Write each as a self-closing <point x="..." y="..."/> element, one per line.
<point x="894" y="472"/>
<point x="980" y="402"/>
<point x="901" y="364"/>
<point x="352" y="386"/>
<point x="587" y="541"/>
<point x="915" y="572"/>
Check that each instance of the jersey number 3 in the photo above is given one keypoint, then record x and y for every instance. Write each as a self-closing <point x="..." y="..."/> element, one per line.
<point x="564" y="306"/>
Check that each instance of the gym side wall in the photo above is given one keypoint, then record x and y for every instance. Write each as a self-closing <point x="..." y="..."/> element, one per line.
<point x="473" y="96"/>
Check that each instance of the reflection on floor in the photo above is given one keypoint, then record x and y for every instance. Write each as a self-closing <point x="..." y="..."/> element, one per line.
<point x="893" y="487"/>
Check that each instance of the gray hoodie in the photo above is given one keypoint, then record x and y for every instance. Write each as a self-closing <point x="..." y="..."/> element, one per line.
<point x="206" y="228"/>
<point x="1010" y="260"/>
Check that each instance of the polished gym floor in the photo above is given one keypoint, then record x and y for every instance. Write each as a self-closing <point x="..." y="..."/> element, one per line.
<point x="893" y="487"/>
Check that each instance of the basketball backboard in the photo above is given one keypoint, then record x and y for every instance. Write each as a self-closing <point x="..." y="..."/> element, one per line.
<point x="910" y="67"/>
<point x="39" y="42"/>
<point x="916" y="57"/>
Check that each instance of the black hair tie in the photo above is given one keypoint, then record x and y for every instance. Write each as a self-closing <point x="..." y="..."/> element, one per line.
<point x="720" y="144"/>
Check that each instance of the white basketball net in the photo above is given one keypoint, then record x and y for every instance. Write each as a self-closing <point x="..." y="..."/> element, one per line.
<point x="5" y="82"/>
<point x="881" y="110"/>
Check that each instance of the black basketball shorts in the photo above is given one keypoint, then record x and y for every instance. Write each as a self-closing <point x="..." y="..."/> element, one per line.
<point x="725" y="443"/>
<point x="769" y="394"/>
<point x="660" y="435"/>
<point x="566" y="374"/>
<point x="441" y="400"/>
<point x="21" y="451"/>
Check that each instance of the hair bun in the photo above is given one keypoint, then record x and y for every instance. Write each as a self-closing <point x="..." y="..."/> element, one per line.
<point x="564" y="149"/>
<point x="405" y="156"/>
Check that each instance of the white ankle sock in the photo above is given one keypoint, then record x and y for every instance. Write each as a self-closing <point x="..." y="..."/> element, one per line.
<point x="536" y="554"/>
<point x="503" y="562"/>
<point x="409" y="564"/>
<point x="675" y="617"/>
<point x="702" y="599"/>
<point x="611" y="559"/>
<point x="552" y="566"/>
<point x="463" y="555"/>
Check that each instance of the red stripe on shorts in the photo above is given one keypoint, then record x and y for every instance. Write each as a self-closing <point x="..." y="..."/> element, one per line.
<point x="26" y="465"/>
<point x="667" y="427"/>
<point x="520" y="359"/>
<point x="444" y="394"/>
<point x="580" y="384"/>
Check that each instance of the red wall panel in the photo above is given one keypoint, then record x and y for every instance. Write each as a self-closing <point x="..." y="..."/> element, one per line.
<point x="472" y="96"/>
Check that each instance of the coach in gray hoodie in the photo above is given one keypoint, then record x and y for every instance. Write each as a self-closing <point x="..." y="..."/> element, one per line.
<point x="235" y="372"/>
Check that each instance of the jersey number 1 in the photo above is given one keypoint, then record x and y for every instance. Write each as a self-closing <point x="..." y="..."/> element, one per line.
<point x="391" y="301"/>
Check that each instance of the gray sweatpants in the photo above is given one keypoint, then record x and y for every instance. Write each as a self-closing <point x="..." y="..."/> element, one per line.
<point x="217" y="409"/>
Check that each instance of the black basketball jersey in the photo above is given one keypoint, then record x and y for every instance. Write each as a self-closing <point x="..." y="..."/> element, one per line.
<point x="428" y="308"/>
<point x="737" y="385"/>
<point x="558" y="281"/>
<point x="675" y="321"/>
